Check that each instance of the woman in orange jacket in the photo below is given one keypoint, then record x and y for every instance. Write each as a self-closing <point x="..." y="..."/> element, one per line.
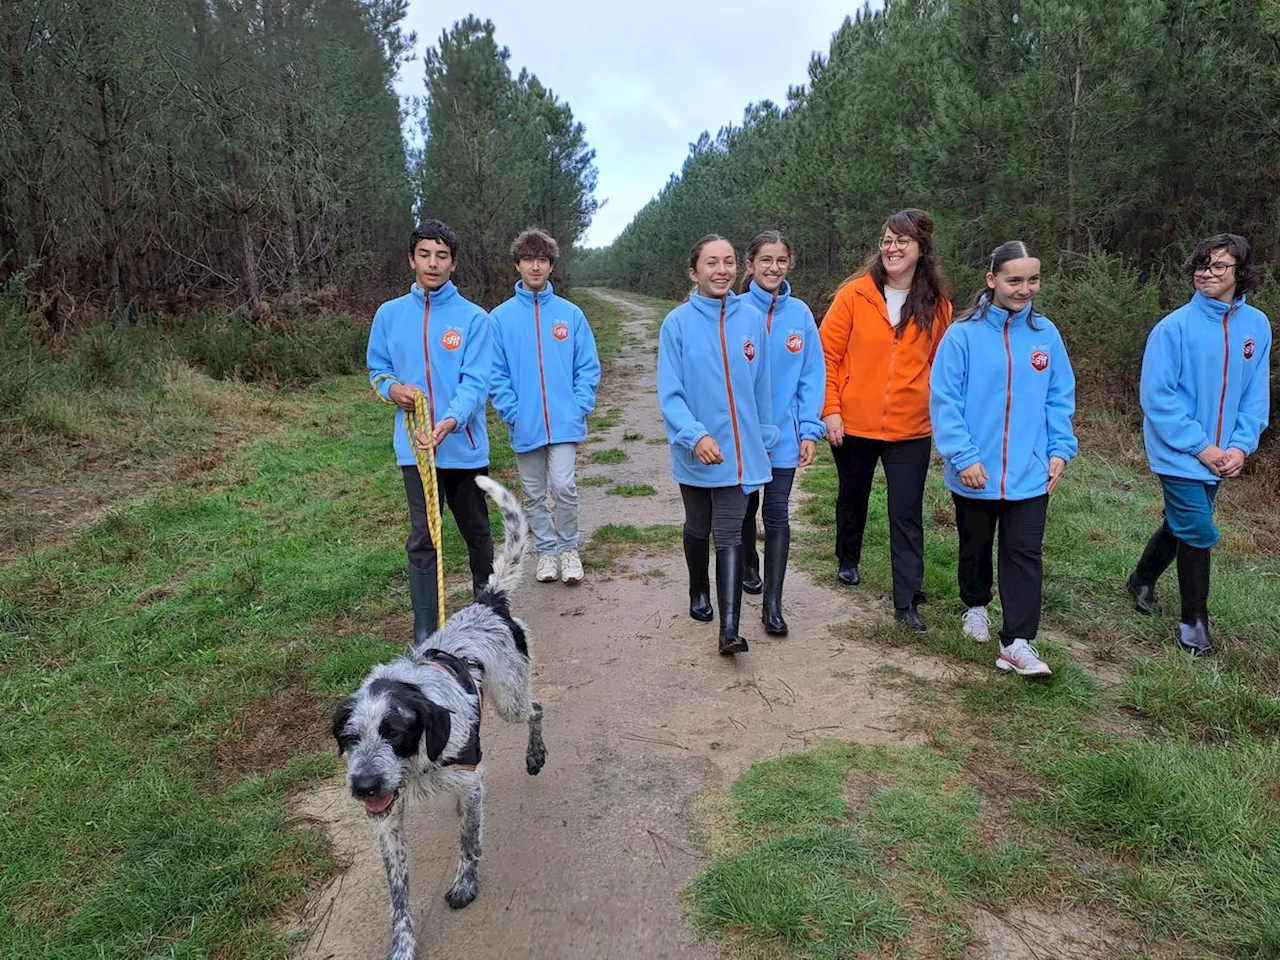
<point x="879" y="338"/>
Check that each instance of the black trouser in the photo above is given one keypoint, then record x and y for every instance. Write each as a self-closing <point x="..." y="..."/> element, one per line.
<point x="714" y="510"/>
<point x="777" y="497"/>
<point x="470" y="509"/>
<point x="1021" y="567"/>
<point x="906" y="465"/>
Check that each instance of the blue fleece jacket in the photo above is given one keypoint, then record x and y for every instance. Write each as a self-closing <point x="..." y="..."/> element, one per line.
<point x="797" y="371"/>
<point x="460" y="341"/>
<point x="1002" y="394"/>
<point x="1206" y="378"/>
<point x="713" y="380"/>
<point x="545" y="369"/>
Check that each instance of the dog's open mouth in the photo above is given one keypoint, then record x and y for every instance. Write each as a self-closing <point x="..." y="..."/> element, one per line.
<point x="380" y="806"/>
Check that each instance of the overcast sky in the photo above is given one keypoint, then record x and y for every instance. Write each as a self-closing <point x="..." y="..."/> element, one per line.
<point x="646" y="78"/>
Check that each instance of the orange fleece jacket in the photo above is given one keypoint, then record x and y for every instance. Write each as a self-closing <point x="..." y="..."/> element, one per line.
<point x="876" y="381"/>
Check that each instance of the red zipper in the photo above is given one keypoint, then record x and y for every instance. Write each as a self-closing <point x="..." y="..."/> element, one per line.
<point x="1008" y="409"/>
<point x="426" y="359"/>
<point x="542" y="377"/>
<point x="728" y="385"/>
<point x="1226" y="365"/>
<point x="768" y="320"/>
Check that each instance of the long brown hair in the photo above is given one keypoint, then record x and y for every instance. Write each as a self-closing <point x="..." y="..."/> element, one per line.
<point x="928" y="285"/>
<point x="762" y="239"/>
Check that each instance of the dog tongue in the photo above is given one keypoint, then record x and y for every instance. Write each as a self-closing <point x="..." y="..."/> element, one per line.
<point x="377" y="805"/>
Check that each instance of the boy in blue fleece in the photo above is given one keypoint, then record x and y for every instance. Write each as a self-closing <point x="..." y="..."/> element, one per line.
<point x="435" y="342"/>
<point x="545" y="374"/>
<point x="1002" y="396"/>
<point x="716" y="401"/>
<point x="798" y="375"/>
<point x="1205" y="401"/>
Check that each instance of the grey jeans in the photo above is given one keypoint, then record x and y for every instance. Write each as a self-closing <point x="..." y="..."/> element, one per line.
<point x="547" y="474"/>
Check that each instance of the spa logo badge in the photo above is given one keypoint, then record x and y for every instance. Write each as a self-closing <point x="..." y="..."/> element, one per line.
<point x="1249" y="347"/>
<point x="1040" y="360"/>
<point x="795" y="343"/>
<point x="560" y="331"/>
<point x="748" y="350"/>
<point x="451" y="340"/>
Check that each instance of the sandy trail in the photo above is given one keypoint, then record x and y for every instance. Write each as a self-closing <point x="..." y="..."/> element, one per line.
<point x="588" y="859"/>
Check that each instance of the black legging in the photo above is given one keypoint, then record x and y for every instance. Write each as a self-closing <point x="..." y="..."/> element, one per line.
<point x="777" y="498"/>
<point x="714" y="510"/>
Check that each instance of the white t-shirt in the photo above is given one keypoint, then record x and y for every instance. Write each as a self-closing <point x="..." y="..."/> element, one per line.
<point x="896" y="300"/>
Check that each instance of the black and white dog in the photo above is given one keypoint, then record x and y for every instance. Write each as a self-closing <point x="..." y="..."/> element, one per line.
<point x="414" y="724"/>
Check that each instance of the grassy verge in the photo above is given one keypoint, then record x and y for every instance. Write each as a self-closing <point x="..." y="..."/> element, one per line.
<point x="1148" y="779"/>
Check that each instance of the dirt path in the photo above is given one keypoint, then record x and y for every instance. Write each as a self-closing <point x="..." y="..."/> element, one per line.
<point x="587" y="860"/>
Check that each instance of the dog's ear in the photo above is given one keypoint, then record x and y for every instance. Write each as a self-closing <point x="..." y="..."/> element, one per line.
<point x="435" y="722"/>
<point x="341" y="714"/>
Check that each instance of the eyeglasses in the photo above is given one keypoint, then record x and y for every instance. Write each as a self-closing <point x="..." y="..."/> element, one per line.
<point x="901" y="243"/>
<point x="771" y="261"/>
<point x="1218" y="268"/>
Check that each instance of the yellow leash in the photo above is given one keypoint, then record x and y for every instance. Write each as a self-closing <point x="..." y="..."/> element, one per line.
<point x="419" y="418"/>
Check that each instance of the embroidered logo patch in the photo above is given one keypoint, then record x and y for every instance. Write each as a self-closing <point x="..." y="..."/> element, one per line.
<point x="560" y="331"/>
<point x="748" y="350"/>
<point x="795" y="343"/>
<point x="1039" y="359"/>
<point x="1248" y="349"/>
<point x="451" y="340"/>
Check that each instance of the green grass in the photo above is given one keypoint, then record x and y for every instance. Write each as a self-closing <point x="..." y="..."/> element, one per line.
<point x="633" y="490"/>
<point x="595" y="481"/>
<point x="847" y="850"/>
<point x="611" y="455"/>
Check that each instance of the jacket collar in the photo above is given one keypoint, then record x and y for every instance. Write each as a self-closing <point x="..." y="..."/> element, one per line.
<point x="762" y="299"/>
<point x="710" y="307"/>
<point x="1212" y="309"/>
<point x="997" y="316"/>
<point x="527" y="296"/>
<point x="438" y="297"/>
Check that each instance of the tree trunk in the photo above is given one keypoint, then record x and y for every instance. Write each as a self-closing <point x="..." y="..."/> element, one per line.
<point x="108" y="196"/>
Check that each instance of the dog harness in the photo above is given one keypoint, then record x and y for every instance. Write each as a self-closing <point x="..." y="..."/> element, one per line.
<point x="469" y="757"/>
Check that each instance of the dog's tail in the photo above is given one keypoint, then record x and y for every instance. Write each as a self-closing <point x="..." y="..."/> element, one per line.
<point x="506" y="565"/>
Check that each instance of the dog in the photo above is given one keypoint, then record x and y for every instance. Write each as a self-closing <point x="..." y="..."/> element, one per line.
<point x="414" y="724"/>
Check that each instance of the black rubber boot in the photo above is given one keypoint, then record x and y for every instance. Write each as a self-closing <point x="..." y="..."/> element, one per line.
<point x="910" y="618"/>
<point x="777" y="545"/>
<point x="729" y="596"/>
<point x="847" y="573"/>
<point x="1193" y="585"/>
<point x="751" y="582"/>
<point x="697" y="557"/>
<point x="1159" y="553"/>
<point x="426" y="603"/>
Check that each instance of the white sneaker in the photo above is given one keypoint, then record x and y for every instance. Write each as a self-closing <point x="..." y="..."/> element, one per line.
<point x="548" y="569"/>
<point x="975" y="625"/>
<point x="1021" y="657"/>
<point x="570" y="567"/>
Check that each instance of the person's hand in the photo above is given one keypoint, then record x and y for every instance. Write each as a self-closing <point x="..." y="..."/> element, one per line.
<point x="974" y="477"/>
<point x="1056" y="466"/>
<point x="808" y="452"/>
<point x="403" y="395"/>
<point x="442" y="430"/>
<point x="835" y="428"/>
<point x="1232" y="462"/>
<point x="708" y="451"/>
<point x="1213" y="457"/>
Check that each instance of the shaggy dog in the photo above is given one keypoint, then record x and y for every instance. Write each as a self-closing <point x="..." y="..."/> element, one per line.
<point x="414" y="724"/>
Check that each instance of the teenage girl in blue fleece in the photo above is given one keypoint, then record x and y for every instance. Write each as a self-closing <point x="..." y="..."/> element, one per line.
<point x="798" y="374"/>
<point x="1205" y="396"/>
<point x="1002" y="399"/>
<point x="713" y="387"/>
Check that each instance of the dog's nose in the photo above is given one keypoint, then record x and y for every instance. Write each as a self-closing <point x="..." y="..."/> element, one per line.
<point x="365" y="786"/>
